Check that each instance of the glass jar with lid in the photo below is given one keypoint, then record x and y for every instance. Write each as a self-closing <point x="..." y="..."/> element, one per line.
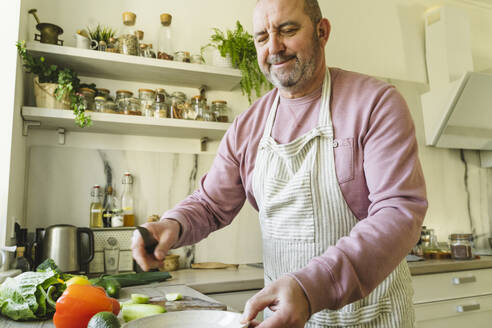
<point x="461" y="246"/>
<point x="165" y="37"/>
<point x="196" y="110"/>
<point x="99" y="103"/>
<point x="221" y="111"/>
<point x="133" y="107"/>
<point x="101" y="92"/>
<point x="160" y="107"/>
<point x="110" y="107"/>
<point x="178" y="100"/>
<point x="122" y="99"/>
<point x="128" y="41"/>
<point x="182" y="56"/>
<point x="208" y="115"/>
<point x="146" y="97"/>
<point x="87" y="96"/>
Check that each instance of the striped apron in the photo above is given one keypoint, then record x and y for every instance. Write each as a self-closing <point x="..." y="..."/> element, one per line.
<point x="302" y="213"/>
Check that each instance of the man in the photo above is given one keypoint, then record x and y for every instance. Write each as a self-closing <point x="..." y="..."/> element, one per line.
<point x="329" y="159"/>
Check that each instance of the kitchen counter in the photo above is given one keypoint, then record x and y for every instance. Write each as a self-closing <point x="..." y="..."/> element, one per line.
<point x="440" y="266"/>
<point x="218" y="280"/>
<point x="153" y="290"/>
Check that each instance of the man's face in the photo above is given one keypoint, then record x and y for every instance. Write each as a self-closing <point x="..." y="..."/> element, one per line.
<point x="288" y="47"/>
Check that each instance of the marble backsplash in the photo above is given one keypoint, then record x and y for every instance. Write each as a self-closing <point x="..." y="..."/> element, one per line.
<point x="61" y="178"/>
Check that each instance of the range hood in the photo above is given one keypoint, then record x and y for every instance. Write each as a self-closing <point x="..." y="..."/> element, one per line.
<point x="457" y="110"/>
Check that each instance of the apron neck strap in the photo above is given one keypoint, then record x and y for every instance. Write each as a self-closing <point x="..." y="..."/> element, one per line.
<point x="324" y="113"/>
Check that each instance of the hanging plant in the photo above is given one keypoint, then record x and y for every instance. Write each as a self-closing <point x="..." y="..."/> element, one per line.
<point x="67" y="80"/>
<point x="240" y="47"/>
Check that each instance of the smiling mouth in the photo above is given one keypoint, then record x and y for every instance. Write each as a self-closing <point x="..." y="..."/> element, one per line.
<point x="281" y="61"/>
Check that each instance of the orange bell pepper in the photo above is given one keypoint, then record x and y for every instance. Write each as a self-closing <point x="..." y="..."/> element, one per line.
<point x="78" y="304"/>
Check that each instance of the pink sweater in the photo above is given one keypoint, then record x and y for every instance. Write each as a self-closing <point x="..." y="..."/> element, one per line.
<point x="378" y="171"/>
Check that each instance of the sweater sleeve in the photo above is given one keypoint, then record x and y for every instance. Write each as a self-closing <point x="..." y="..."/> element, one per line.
<point x="359" y="262"/>
<point x="218" y="199"/>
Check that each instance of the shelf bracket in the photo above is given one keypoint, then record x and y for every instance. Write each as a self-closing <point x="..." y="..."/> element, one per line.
<point x="61" y="136"/>
<point x="26" y="125"/>
<point x="203" y="144"/>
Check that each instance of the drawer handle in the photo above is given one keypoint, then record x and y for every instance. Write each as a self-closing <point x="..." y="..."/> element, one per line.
<point x="467" y="308"/>
<point x="464" y="280"/>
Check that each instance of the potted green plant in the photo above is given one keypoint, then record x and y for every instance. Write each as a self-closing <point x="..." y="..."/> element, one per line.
<point x="101" y="33"/>
<point x="54" y="87"/>
<point x="239" y="46"/>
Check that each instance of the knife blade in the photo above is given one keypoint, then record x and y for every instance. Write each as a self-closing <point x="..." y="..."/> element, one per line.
<point x="149" y="241"/>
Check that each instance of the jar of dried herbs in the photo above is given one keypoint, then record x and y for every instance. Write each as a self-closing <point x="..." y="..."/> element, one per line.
<point x="133" y="107"/>
<point x="160" y="107"/>
<point x="128" y="41"/>
<point x="178" y="100"/>
<point x="221" y="111"/>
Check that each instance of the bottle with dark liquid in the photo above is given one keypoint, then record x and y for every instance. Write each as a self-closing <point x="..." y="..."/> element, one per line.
<point x="108" y="208"/>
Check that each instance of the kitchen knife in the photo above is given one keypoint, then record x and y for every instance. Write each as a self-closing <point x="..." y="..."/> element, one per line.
<point x="149" y="241"/>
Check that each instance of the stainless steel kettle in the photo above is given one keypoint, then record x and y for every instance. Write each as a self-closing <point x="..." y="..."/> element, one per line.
<point x="62" y="243"/>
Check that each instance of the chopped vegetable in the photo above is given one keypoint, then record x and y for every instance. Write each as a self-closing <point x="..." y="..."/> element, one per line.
<point x="137" y="311"/>
<point x="140" y="298"/>
<point x="173" y="296"/>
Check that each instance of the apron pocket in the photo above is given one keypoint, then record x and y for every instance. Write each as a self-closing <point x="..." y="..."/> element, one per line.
<point x="288" y="208"/>
<point x="353" y="314"/>
<point x="344" y="159"/>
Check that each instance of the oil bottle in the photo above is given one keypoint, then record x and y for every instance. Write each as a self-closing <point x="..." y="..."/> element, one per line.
<point x="96" y="209"/>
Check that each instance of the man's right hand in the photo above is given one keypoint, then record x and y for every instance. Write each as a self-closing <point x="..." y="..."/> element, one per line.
<point x="166" y="232"/>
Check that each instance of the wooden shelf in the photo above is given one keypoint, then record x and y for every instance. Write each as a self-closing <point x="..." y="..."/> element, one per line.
<point x="133" y="68"/>
<point x="125" y="124"/>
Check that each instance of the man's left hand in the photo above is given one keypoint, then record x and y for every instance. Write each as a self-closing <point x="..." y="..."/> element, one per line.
<point x="285" y="298"/>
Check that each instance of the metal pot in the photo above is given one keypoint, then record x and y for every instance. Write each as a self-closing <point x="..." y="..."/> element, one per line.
<point x="62" y="243"/>
<point x="49" y="32"/>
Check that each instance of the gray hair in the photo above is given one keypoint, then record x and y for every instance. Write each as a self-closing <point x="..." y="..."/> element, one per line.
<point x="311" y="8"/>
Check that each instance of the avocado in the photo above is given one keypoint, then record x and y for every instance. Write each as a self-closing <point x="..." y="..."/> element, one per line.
<point x="104" y="320"/>
<point x="137" y="311"/>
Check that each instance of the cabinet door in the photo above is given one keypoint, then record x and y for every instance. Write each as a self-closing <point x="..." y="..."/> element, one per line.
<point x="451" y="285"/>
<point x="472" y="312"/>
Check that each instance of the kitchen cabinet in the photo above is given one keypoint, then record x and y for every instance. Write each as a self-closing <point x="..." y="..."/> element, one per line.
<point x="453" y="299"/>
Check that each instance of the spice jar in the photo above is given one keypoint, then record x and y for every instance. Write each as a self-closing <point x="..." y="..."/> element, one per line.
<point x="133" y="107"/>
<point x="101" y="92"/>
<point x="110" y="107"/>
<point x="122" y="99"/>
<point x="128" y="41"/>
<point x="160" y="106"/>
<point x="87" y="96"/>
<point x="182" y="56"/>
<point x="99" y="103"/>
<point x="178" y="100"/>
<point x="197" y="59"/>
<point x="221" y="111"/>
<point x="461" y="246"/>
<point x="146" y="97"/>
<point x="208" y="115"/>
